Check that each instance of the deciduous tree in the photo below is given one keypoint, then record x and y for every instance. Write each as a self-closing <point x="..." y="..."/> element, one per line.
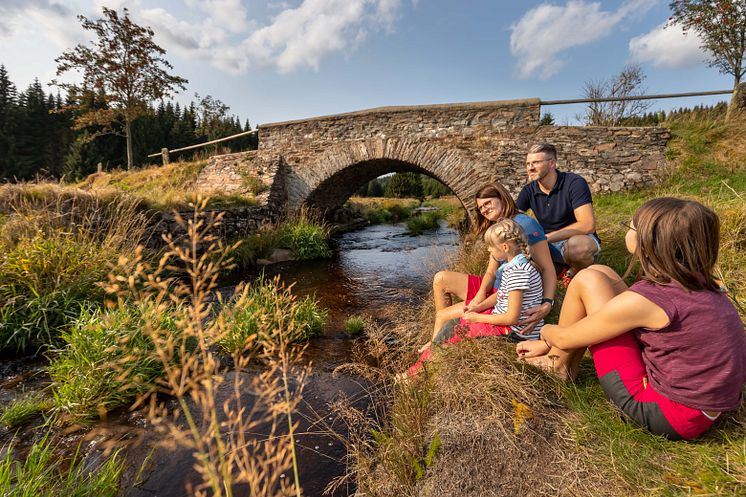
<point x="627" y="83"/>
<point x="721" y="25"/>
<point x="125" y="65"/>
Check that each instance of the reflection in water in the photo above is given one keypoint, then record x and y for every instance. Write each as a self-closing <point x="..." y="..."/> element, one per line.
<point x="372" y="268"/>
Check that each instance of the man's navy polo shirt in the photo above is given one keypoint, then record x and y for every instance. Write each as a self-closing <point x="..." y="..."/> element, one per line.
<point x="557" y="209"/>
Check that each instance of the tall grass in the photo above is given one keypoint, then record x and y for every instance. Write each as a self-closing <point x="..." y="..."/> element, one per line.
<point x="42" y="473"/>
<point x="23" y="409"/>
<point x="266" y="304"/>
<point x="221" y="429"/>
<point x="306" y="235"/>
<point x="108" y="359"/>
<point x="416" y="225"/>
<point x="55" y="246"/>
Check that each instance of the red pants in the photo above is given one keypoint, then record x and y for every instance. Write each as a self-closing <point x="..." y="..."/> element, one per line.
<point x="621" y="372"/>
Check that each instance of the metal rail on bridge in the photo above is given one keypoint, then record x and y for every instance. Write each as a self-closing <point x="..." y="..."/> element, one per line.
<point x="165" y="153"/>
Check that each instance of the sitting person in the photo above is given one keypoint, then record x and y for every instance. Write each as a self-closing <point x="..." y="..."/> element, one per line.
<point x="494" y="203"/>
<point x="670" y="350"/>
<point x="562" y="204"/>
<point x="500" y="314"/>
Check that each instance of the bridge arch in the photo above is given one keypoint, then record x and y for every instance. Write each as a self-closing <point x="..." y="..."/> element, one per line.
<point x="342" y="169"/>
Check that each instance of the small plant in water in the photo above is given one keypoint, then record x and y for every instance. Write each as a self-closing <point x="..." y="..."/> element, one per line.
<point x="354" y="325"/>
<point x="25" y="408"/>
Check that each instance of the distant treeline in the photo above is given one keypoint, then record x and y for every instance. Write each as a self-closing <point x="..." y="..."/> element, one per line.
<point x="698" y="111"/>
<point x="404" y="185"/>
<point x="39" y="137"/>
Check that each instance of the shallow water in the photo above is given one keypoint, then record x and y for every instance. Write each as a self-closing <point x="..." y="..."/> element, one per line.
<point x="372" y="268"/>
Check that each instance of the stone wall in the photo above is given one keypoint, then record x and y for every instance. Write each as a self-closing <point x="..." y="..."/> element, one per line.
<point x="414" y="122"/>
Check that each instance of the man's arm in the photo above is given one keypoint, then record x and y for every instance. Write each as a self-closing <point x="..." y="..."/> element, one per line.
<point x="585" y="224"/>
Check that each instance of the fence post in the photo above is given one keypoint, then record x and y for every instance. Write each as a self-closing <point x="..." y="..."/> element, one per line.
<point x="164" y="154"/>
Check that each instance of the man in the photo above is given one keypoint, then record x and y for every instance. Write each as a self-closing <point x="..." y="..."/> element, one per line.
<point x="563" y="206"/>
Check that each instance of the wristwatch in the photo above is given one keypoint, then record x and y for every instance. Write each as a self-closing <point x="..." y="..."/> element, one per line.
<point x="545" y="300"/>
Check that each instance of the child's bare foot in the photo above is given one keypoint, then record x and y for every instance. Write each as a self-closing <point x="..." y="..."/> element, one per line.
<point x="531" y="348"/>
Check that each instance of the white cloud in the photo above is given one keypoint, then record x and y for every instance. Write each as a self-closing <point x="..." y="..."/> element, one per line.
<point x="296" y="37"/>
<point x="56" y="22"/>
<point x="667" y="47"/>
<point x="544" y="32"/>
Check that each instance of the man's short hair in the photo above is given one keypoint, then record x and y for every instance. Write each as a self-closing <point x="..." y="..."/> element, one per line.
<point x="544" y="148"/>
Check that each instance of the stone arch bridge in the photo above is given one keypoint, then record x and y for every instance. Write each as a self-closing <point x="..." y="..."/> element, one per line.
<point x="320" y="162"/>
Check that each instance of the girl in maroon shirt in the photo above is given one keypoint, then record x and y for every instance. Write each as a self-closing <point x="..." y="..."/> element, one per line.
<point x="670" y="350"/>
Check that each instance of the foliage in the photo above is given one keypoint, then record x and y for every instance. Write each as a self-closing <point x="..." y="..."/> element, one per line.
<point x="355" y="325"/>
<point x="108" y="359"/>
<point x="266" y="304"/>
<point x="306" y="236"/>
<point x="627" y="83"/>
<point x="721" y="25"/>
<point x="42" y="473"/>
<point x="56" y="246"/>
<point x="423" y="221"/>
<point x="24" y="408"/>
<point x="547" y="119"/>
<point x="124" y="65"/>
<point x="404" y="185"/>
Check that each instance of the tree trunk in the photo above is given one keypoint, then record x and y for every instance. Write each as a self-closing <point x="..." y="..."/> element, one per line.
<point x="128" y="135"/>
<point x="737" y="105"/>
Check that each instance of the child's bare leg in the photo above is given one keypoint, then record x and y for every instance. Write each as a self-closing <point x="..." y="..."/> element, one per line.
<point x="447" y="283"/>
<point x="589" y="290"/>
<point x="445" y="315"/>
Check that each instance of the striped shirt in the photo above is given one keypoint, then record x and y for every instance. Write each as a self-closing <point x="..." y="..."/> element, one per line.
<point x="520" y="274"/>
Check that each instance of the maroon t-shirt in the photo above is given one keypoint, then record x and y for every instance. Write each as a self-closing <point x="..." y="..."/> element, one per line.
<point x="698" y="359"/>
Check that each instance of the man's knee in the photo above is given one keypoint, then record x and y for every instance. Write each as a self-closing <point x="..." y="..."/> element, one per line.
<point x="580" y="248"/>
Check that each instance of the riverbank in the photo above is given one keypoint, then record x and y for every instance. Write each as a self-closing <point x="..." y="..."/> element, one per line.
<point x="479" y="423"/>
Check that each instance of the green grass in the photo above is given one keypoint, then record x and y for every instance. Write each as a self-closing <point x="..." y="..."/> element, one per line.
<point x="355" y="326"/>
<point x="108" y="359"/>
<point x="23" y="409"/>
<point x="55" y="247"/>
<point x="266" y="305"/>
<point x="43" y="473"/>
<point x="416" y="225"/>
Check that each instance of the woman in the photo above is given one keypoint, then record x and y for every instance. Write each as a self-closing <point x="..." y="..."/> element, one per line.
<point x="494" y="203"/>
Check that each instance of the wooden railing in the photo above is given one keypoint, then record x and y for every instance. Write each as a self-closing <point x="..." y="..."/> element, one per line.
<point x="166" y="153"/>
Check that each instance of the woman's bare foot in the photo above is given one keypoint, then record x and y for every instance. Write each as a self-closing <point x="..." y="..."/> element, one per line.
<point x="531" y="348"/>
<point x="550" y="363"/>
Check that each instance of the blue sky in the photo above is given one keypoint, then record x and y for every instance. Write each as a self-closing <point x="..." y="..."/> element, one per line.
<point x="281" y="60"/>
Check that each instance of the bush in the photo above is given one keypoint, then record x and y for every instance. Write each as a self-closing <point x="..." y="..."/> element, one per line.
<point x="55" y="247"/>
<point x="108" y="360"/>
<point x="416" y="225"/>
<point x="306" y="236"/>
<point x="263" y="306"/>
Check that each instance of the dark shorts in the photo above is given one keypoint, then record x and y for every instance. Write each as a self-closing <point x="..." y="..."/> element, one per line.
<point x="623" y="377"/>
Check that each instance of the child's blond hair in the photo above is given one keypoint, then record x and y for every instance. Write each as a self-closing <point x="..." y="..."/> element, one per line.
<point x="507" y="230"/>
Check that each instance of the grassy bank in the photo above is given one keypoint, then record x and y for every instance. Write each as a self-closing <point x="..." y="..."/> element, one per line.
<point x="504" y="428"/>
<point x="394" y="210"/>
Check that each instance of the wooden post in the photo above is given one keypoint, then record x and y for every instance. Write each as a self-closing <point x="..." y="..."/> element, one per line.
<point x="737" y="103"/>
<point x="99" y="167"/>
<point x="164" y="154"/>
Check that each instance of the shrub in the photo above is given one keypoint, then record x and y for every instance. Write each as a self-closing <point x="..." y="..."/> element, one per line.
<point x="54" y="248"/>
<point x="306" y="236"/>
<point x="355" y="326"/>
<point x="108" y="359"/>
<point x="42" y="473"/>
<point x="266" y="305"/>
<point x="416" y="225"/>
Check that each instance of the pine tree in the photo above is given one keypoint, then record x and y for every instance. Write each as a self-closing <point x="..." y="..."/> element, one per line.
<point x="8" y="125"/>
